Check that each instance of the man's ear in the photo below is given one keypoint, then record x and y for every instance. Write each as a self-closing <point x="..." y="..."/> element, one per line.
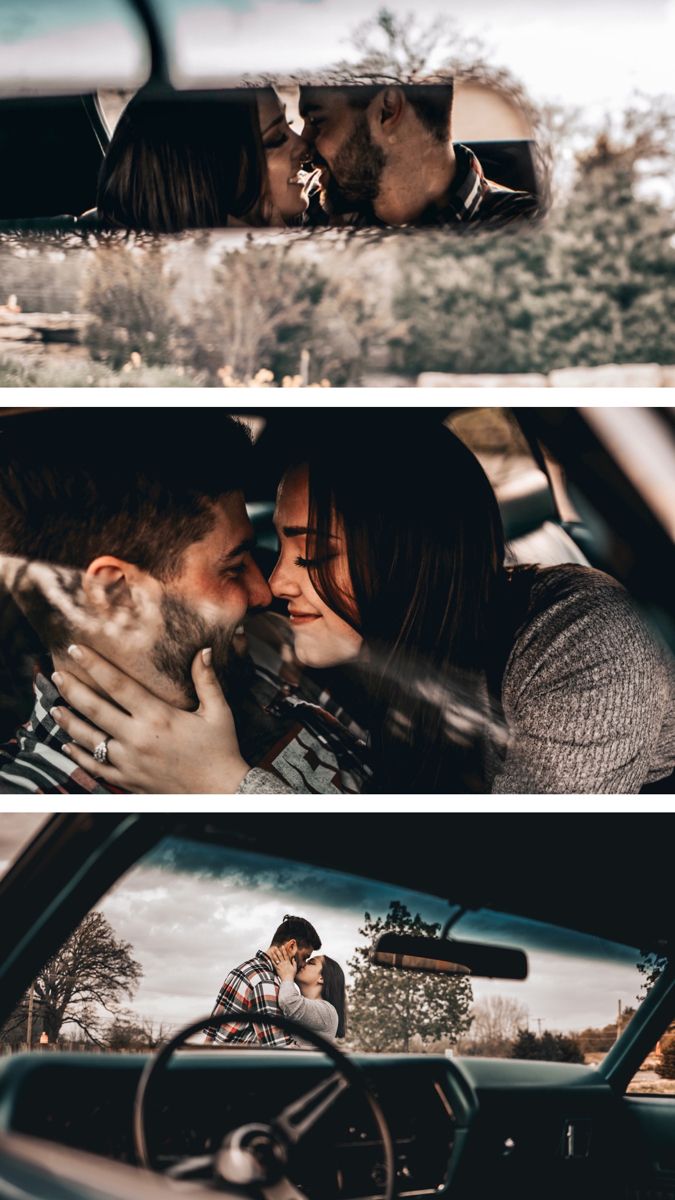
<point x="108" y="583"/>
<point x="389" y="109"/>
<point x="292" y="948"/>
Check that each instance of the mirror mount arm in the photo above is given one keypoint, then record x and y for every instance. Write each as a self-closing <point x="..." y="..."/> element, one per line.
<point x="452" y="920"/>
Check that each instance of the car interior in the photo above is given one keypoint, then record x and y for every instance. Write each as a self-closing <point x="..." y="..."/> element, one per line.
<point x="53" y="188"/>
<point x="562" y="498"/>
<point x="76" y="1126"/>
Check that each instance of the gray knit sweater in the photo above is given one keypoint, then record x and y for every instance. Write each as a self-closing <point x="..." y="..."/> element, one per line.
<point x="587" y="691"/>
<point x="318" y="1015"/>
<point x="587" y="694"/>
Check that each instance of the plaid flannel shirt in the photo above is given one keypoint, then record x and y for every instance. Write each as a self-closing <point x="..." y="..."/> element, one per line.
<point x="472" y="200"/>
<point x="302" y="735"/>
<point x="33" y="760"/>
<point x="292" y="727"/>
<point x="250" y="996"/>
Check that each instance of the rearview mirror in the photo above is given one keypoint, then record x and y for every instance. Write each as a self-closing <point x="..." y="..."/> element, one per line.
<point x="442" y="956"/>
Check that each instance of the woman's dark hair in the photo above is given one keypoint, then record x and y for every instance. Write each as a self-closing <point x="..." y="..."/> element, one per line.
<point x="186" y="162"/>
<point x="333" y="990"/>
<point x="425" y="550"/>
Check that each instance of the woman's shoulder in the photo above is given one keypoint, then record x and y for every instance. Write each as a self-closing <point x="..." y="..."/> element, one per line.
<point x="571" y="618"/>
<point x="560" y="595"/>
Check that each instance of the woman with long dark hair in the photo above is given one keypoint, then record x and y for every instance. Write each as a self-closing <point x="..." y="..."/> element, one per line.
<point x="203" y="160"/>
<point x="463" y="673"/>
<point x="314" y="995"/>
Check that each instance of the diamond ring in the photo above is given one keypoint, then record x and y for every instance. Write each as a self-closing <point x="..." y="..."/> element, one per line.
<point x="101" y="751"/>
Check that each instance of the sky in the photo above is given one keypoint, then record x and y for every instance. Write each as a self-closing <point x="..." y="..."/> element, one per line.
<point x="591" y="53"/>
<point x="193" y="913"/>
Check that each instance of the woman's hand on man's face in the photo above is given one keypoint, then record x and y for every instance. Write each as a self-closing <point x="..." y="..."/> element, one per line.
<point x="285" y="966"/>
<point x="152" y="746"/>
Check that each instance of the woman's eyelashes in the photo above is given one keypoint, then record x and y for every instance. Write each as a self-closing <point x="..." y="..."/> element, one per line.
<point x="280" y="139"/>
<point x="313" y="562"/>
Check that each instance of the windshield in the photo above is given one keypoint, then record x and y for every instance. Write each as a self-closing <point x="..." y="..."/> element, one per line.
<point x="190" y="914"/>
<point x="544" y="46"/>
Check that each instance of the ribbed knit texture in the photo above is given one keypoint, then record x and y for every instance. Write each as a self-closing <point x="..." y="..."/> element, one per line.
<point x="587" y="692"/>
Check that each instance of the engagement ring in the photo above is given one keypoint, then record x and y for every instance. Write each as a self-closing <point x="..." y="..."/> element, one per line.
<point x="101" y="751"/>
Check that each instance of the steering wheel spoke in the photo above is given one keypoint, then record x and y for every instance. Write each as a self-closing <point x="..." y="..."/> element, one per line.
<point x="298" y="1118"/>
<point x="283" y="1189"/>
<point x="187" y="1168"/>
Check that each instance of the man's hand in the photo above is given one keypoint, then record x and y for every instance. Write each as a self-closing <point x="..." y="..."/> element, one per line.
<point x="284" y="965"/>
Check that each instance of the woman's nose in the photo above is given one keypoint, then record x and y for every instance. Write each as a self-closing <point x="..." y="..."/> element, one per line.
<point x="282" y="583"/>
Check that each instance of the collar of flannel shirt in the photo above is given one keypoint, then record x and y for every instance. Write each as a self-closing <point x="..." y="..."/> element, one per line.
<point x="41" y="725"/>
<point x="266" y="961"/>
<point x="468" y="187"/>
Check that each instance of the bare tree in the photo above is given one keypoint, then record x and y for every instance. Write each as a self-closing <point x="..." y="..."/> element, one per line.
<point x="85" y="979"/>
<point x="407" y="48"/>
<point x="497" y="1021"/>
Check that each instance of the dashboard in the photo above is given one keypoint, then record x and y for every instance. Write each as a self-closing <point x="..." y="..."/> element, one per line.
<point x="471" y="1127"/>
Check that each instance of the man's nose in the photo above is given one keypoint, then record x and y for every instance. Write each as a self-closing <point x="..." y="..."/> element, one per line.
<point x="259" y="594"/>
<point x="308" y="133"/>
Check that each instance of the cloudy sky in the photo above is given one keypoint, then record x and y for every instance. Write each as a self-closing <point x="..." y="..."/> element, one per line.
<point x="191" y="912"/>
<point x="592" y="53"/>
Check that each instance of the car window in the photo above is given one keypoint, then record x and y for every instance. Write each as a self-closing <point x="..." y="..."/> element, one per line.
<point x="176" y="925"/>
<point x="70" y="47"/>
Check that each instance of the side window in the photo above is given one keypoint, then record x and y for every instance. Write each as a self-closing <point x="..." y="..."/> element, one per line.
<point x="499" y="446"/>
<point x="656" y="1075"/>
<point x="529" y="514"/>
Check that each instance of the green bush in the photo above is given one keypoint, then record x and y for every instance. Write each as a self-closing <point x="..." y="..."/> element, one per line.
<point x="549" y="1047"/>
<point x="128" y="293"/>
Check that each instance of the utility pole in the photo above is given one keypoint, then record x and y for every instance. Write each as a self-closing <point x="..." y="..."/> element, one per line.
<point x="29" y="1023"/>
<point x="619" y="1016"/>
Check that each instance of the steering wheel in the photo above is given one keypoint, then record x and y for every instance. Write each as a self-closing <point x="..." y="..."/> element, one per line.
<point x="253" y="1159"/>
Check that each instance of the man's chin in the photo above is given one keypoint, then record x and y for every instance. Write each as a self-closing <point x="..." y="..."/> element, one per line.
<point x="338" y="203"/>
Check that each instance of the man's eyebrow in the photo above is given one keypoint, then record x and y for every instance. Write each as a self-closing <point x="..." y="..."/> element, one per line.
<point x="243" y="548"/>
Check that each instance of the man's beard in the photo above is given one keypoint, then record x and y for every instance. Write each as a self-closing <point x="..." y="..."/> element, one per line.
<point x="354" y="179"/>
<point x="186" y="632"/>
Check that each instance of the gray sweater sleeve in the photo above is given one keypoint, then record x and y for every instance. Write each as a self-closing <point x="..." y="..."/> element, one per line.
<point x="587" y="693"/>
<point x="264" y="783"/>
<point x="315" y="1014"/>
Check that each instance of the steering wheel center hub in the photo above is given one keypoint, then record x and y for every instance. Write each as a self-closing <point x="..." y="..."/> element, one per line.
<point x="251" y="1154"/>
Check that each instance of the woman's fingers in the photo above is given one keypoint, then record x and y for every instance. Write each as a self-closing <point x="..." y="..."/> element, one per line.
<point x="115" y="683"/>
<point x="82" y="732"/>
<point x="207" y="687"/>
<point x="105" y="771"/>
<point x="100" y="712"/>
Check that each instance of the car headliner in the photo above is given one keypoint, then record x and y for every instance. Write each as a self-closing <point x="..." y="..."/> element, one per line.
<point x="583" y="872"/>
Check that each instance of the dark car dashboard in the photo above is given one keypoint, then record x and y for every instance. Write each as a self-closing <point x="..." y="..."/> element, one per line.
<point x="471" y="1128"/>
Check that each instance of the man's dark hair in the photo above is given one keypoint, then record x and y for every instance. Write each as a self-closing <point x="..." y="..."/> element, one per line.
<point x="299" y="930"/>
<point x="432" y="102"/>
<point x="136" y="484"/>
